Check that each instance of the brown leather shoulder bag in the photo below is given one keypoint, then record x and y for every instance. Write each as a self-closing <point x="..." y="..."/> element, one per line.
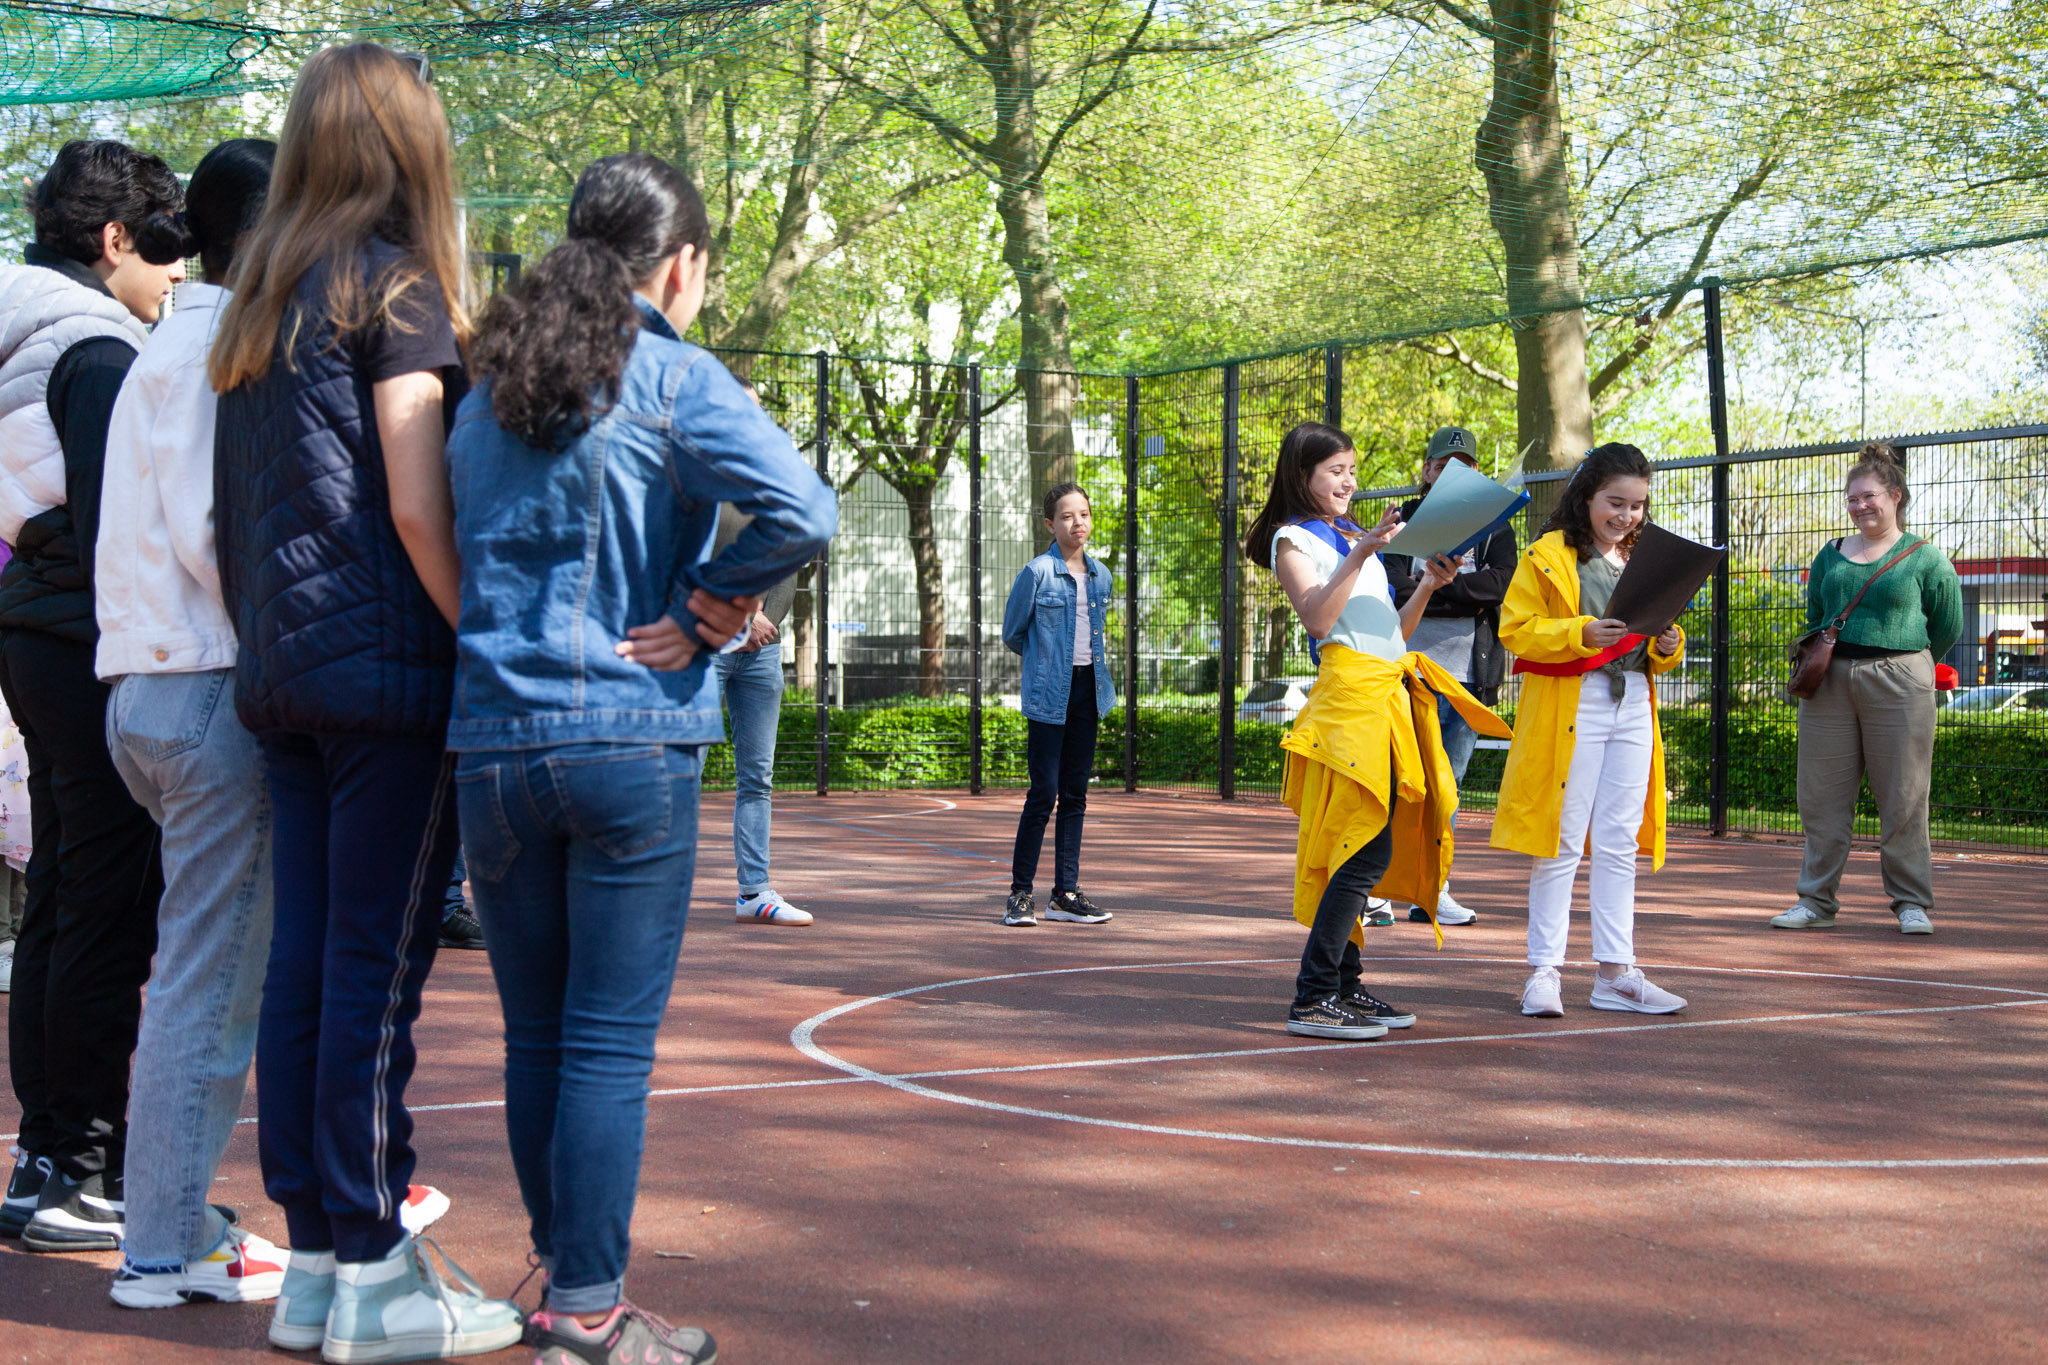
<point x="1815" y="650"/>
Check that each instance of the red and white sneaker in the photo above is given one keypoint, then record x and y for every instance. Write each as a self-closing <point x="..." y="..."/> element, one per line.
<point x="244" y="1268"/>
<point x="422" y="1208"/>
<point x="768" y="908"/>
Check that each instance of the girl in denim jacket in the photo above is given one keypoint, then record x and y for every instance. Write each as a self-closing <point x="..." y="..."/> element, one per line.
<point x="1054" y="619"/>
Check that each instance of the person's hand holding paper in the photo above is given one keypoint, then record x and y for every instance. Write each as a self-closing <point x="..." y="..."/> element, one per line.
<point x="1664" y="571"/>
<point x="1463" y="507"/>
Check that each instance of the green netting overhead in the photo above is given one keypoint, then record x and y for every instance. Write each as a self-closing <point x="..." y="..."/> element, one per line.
<point x="1179" y="182"/>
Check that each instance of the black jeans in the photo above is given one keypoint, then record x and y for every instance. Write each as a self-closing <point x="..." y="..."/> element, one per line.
<point x="1060" y="758"/>
<point x="88" y="928"/>
<point x="1329" y="964"/>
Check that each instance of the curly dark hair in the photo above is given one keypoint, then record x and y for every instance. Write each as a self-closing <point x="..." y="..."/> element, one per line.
<point x="94" y="182"/>
<point x="555" y="346"/>
<point x="1602" y="465"/>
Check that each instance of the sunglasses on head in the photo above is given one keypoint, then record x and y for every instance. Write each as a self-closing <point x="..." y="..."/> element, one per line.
<point x="421" y="67"/>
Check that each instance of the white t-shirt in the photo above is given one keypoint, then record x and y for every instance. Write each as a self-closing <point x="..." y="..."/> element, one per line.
<point x="1369" y="623"/>
<point x="1083" y="616"/>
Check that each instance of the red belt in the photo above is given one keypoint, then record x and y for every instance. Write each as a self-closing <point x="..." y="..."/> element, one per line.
<point x="1578" y="666"/>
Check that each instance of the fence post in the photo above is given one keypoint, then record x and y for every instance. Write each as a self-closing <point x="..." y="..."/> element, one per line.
<point x="824" y="580"/>
<point x="1333" y="385"/>
<point x="1717" y="411"/>
<point x="1131" y="439"/>
<point x="974" y="777"/>
<point x="1226" y="663"/>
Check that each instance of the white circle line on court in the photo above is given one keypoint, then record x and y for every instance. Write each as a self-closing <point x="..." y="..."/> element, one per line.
<point x="803" y="1038"/>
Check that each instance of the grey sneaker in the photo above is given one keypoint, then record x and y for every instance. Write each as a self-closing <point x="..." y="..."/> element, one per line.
<point x="402" y="1308"/>
<point x="630" y="1336"/>
<point x="1017" y="913"/>
<point x="1634" y="993"/>
<point x="299" y="1321"/>
<point x="1802" y="916"/>
<point x="1914" y="920"/>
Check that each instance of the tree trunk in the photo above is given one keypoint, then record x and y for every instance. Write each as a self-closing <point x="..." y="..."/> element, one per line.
<point x="1047" y="352"/>
<point x="803" y="617"/>
<point x="931" y="593"/>
<point x="1524" y="153"/>
<point x="1279" y="626"/>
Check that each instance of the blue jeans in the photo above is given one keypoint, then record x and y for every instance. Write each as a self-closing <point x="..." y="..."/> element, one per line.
<point x="364" y="837"/>
<point x="752" y="683"/>
<point x="580" y="860"/>
<point x="188" y="761"/>
<point x="1459" y="737"/>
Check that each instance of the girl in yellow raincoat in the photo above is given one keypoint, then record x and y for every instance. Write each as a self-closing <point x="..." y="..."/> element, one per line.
<point x="1366" y="769"/>
<point x="1586" y="769"/>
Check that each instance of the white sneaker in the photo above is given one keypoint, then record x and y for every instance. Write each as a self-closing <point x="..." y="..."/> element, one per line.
<point x="403" y="1308"/>
<point x="422" y="1208"/>
<point x="1543" y="996"/>
<point x="244" y="1268"/>
<point x="1632" y="991"/>
<point x="6" y="967"/>
<point x="768" y="908"/>
<point x="1802" y="916"/>
<point x="1913" y="920"/>
<point x="1448" y="911"/>
<point x="298" y="1321"/>
<point x="1379" y="913"/>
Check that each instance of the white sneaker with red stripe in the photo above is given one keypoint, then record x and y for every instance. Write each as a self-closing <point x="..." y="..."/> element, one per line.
<point x="242" y="1269"/>
<point x="422" y="1208"/>
<point x="768" y="908"/>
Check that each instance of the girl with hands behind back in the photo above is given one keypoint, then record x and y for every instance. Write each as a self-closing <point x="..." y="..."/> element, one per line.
<point x="1587" y="753"/>
<point x="1367" y="743"/>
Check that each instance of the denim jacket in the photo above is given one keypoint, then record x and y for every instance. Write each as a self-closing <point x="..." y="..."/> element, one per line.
<point x="563" y="551"/>
<point x="1038" y="622"/>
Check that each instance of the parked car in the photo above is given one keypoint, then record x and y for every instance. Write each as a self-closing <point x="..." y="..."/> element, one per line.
<point x="1995" y="702"/>
<point x="1276" y="701"/>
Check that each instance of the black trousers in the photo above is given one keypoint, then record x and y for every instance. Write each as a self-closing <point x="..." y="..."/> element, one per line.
<point x="1060" y="759"/>
<point x="88" y="929"/>
<point x="1329" y="964"/>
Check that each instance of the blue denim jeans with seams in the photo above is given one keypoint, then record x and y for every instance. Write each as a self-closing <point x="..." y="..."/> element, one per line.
<point x="752" y="685"/>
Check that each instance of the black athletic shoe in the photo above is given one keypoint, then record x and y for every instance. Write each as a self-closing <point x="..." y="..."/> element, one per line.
<point x="1363" y="1002"/>
<point x="1076" y="908"/>
<point x="1017" y="913"/>
<point x="23" y="1190"/>
<point x="75" y="1215"/>
<point x="1331" y="1018"/>
<point x="462" y="930"/>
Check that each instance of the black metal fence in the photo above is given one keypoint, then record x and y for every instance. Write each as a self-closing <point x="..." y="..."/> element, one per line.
<point x="898" y="677"/>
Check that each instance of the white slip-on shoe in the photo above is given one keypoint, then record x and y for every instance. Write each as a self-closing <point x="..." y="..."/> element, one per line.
<point x="1802" y="916"/>
<point x="1914" y="920"/>
<point x="244" y="1268"/>
<point x="1543" y="995"/>
<point x="1634" y="992"/>
<point x="768" y="908"/>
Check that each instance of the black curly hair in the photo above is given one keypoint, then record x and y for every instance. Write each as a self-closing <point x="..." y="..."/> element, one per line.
<point x="1602" y="465"/>
<point x="555" y="345"/>
<point x="97" y="181"/>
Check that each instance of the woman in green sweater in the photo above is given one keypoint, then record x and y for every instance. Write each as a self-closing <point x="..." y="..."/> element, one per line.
<point x="1874" y="712"/>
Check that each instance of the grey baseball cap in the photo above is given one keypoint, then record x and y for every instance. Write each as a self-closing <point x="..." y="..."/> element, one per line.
<point x="1453" y="442"/>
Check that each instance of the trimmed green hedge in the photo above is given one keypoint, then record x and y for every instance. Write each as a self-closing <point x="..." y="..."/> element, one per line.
<point x="1998" y="776"/>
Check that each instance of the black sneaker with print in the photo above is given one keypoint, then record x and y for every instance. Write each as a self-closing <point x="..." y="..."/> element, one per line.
<point x="1361" y="1001"/>
<point x="1075" y="908"/>
<point x="1330" y="1018"/>
<point x="1018" y="913"/>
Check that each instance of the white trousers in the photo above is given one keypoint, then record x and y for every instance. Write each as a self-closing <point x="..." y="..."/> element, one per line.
<point x="1605" y="792"/>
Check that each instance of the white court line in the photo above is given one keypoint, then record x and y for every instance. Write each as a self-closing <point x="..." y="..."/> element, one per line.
<point x="940" y="809"/>
<point x="803" y="1038"/>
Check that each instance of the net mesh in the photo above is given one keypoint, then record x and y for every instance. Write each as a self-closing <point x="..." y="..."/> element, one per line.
<point x="1305" y="171"/>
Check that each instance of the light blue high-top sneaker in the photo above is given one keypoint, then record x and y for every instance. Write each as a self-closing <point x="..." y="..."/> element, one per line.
<point x="403" y="1308"/>
<point x="299" y="1322"/>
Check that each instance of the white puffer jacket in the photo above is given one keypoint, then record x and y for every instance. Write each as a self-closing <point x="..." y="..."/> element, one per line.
<point x="43" y="314"/>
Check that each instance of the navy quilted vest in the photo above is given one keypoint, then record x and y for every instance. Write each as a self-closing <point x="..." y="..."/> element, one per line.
<point x="337" y="633"/>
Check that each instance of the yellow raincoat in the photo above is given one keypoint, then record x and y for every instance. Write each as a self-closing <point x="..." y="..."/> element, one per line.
<point x="1365" y="752"/>
<point x="1540" y="621"/>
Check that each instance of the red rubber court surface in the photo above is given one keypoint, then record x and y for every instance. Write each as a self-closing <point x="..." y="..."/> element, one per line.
<point x="909" y="1134"/>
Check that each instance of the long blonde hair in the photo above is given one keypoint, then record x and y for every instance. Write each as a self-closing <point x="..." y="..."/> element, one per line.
<point x="365" y="153"/>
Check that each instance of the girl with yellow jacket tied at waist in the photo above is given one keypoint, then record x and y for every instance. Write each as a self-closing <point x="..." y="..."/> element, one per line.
<point x="1586" y="769"/>
<point x="1366" y="770"/>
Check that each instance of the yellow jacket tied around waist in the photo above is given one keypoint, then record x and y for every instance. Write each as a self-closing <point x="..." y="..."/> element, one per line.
<point x="1366" y="752"/>
<point x="1540" y="622"/>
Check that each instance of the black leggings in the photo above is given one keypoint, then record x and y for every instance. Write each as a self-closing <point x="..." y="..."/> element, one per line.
<point x="1329" y="964"/>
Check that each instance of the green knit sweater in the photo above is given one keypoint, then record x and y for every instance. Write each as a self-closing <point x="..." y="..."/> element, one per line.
<point x="1918" y="605"/>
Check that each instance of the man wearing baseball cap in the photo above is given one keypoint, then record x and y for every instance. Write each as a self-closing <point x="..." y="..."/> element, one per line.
<point x="1460" y="627"/>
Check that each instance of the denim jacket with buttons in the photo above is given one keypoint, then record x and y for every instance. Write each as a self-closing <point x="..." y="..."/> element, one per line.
<point x="1038" y="623"/>
<point x="563" y="551"/>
